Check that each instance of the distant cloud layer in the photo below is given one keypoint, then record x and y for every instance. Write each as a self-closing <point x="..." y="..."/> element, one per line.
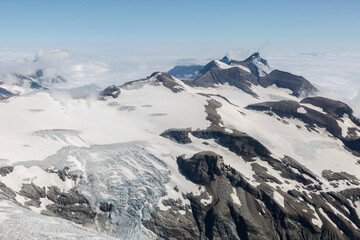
<point x="336" y="75"/>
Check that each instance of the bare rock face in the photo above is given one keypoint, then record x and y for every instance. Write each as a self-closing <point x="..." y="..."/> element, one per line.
<point x="202" y="167"/>
<point x="299" y="85"/>
<point x="69" y="205"/>
<point x="6" y="170"/>
<point x="332" y="107"/>
<point x="239" y="143"/>
<point x="333" y="112"/>
<point x="4" y="94"/>
<point x="233" y="76"/>
<point x="289" y="109"/>
<point x="7" y="192"/>
<point x="111" y="91"/>
<point x="238" y="210"/>
<point x="169" y="82"/>
<point x="178" y="135"/>
<point x="186" y="72"/>
<point x="336" y="176"/>
<point x="32" y="191"/>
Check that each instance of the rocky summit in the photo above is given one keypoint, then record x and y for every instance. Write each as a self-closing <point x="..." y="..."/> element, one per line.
<point x="233" y="149"/>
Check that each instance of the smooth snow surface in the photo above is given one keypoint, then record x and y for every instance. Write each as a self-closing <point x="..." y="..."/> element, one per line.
<point x="17" y="223"/>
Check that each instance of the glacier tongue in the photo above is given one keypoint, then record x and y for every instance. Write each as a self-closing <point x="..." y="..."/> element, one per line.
<point x="126" y="176"/>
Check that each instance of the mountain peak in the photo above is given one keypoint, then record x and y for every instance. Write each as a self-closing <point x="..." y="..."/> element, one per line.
<point x="225" y="59"/>
<point x="255" y="56"/>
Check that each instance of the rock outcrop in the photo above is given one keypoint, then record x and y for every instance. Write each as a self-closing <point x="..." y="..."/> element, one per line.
<point x="111" y="91"/>
<point x="234" y="76"/>
<point x="238" y="210"/>
<point x="333" y="113"/>
<point x="299" y="85"/>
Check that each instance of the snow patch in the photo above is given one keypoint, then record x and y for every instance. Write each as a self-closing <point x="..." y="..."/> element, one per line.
<point x="301" y="110"/>
<point x="235" y="197"/>
<point x="279" y="199"/>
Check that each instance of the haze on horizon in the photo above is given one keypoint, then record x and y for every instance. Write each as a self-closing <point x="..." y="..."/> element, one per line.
<point x="109" y="42"/>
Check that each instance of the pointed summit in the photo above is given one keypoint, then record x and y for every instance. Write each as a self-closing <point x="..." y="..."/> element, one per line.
<point x="225" y="60"/>
<point x="256" y="58"/>
<point x="253" y="56"/>
<point x="257" y="65"/>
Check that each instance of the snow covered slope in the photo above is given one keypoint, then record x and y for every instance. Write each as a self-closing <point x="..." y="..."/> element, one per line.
<point x="232" y="155"/>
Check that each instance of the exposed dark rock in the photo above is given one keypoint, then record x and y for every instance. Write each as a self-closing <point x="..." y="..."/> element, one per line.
<point x="169" y="225"/>
<point x="166" y="79"/>
<point x="225" y="59"/>
<point x="239" y="143"/>
<point x="81" y="214"/>
<point x="212" y="114"/>
<point x="290" y="162"/>
<point x="36" y="81"/>
<point x="313" y="118"/>
<point x="334" y="108"/>
<point x="202" y="167"/>
<point x="299" y="85"/>
<point x="256" y="56"/>
<point x="6" y="170"/>
<point x="234" y="76"/>
<point x="178" y="135"/>
<point x="111" y="91"/>
<point x="186" y="72"/>
<point x="353" y="145"/>
<point x="6" y="192"/>
<point x="169" y="82"/>
<point x="105" y="207"/>
<point x="212" y="65"/>
<point x="35" y="85"/>
<point x="290" y="109"/>
<point x="64" y="174"/>
<point x="336" y="176"/>
<point x="256" y="215"/>
<point x="250" y="64"/>
<point x="69" y="205"/>
<point x="32" y="191"/>
<point x="65" y="198"/>
<point x="262" y="175"/>
<point x="33" y="203"/>
<point x="4" y="94"/>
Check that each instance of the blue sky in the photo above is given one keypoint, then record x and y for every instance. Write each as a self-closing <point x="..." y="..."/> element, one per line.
<point x="291" y="25"/>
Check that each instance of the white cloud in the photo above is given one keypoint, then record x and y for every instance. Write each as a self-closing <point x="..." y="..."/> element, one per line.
<point x="51" y="56"/>
<point x="336" y="75"/>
